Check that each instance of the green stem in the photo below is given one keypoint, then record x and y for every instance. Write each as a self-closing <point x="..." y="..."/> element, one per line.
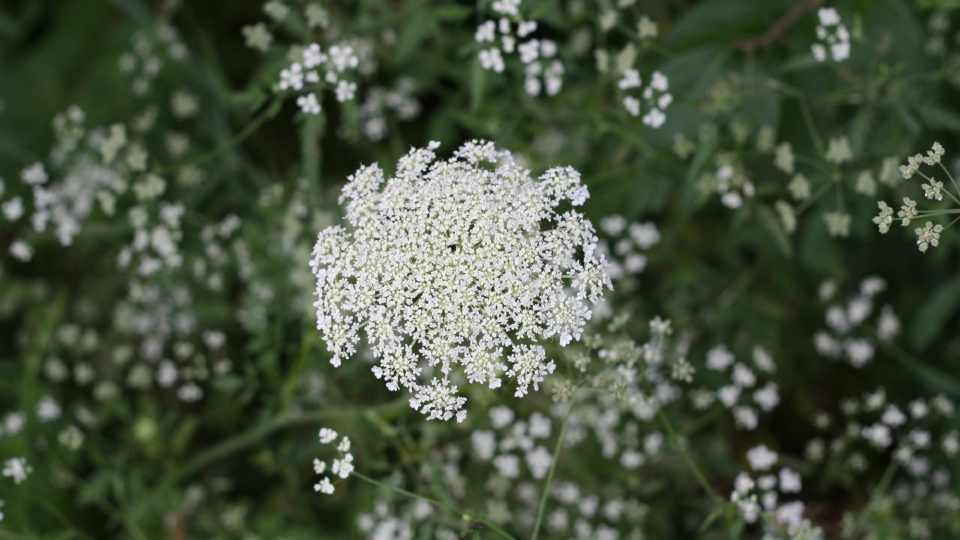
<point x="950" y="176"/>
<point x="885" y="480"/>
<point x="293" y="378"/>
<point x="256" y="434"/>
<point x="434" y="502"/>
<point x="947" y="191"/>
<point x="553" y="467"/>
<point x="714" y="496"/>
<point x="268" y="112"/>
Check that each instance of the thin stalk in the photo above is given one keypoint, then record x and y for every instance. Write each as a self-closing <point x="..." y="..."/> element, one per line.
<point x="714" y="496"/>
<point x="950" y="176"/>
<point x="804" y="111"/>
<point x="434" y="502"/>
<point x="885" y="480"/>
<point x="947" y="191"/>
<point x="260" y="432"/>
<point x="268" y="112"/>
<point x="553" y="467"/>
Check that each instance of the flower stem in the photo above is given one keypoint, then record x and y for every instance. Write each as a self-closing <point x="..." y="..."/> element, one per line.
<point x="714" y="496"/>
<point x="553" y="467"/>
<point x="434" y="502"/>
<point x="885" y="480"/>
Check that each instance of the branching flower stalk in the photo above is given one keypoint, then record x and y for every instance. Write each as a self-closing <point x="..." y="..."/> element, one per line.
<point x="929" y="234"/>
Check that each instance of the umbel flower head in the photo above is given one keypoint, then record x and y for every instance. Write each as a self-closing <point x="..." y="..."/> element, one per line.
<point x="459" y="262"/>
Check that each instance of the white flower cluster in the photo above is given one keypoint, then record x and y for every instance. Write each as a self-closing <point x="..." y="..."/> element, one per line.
<point x="844" y="320"/>
<point x="933" y="157"/>
<point x="730" y="180"/>
<point x="929" y="234"/>
<point x="401" y="522"/>
<point x="630" y="240"/>
<point x="448" y="263"/>
<point x="872" y="426"/>
<point x="588" y="516"/>
<point x="341" y="467"/>
<point x="832" y="35"/>
<point x="65" y="203"/>
<point x="16" y="469"/>
<point x="306" y="72"/>
<point x="373" y="121"/>
<point x="655" y="97"/>
<point x="145" y="60"/>
<point x="761" y="495"/>
<point x="743" y="379"/>
<point x="12" y="423"/>
<point x="543" y="72"/>
<point x="515" y="439"/>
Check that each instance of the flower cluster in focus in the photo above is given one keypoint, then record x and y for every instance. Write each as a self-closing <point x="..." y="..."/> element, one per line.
<point x="455" y="262"/>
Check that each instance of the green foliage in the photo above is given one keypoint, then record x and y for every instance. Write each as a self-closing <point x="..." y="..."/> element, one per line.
<point x="187" y="396"/>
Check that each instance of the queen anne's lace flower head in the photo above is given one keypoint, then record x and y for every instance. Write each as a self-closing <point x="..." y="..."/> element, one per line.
<point x="463" y="261"/>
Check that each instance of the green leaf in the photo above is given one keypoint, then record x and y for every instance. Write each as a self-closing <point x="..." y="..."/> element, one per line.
<point x="416" y="28"/>
<point x="724" y="21"/>
<point x="478" y="79"/>
<point x="935" y="313"/>
<point x="935" y="378"/>
<point x="938" y="117"/>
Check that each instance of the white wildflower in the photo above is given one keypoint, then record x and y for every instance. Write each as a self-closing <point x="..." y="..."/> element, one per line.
<point x="928" y="236"/>
<point x="16" y="469"/>
<point x="450" y="256"/>
<point x="761" y="458"/>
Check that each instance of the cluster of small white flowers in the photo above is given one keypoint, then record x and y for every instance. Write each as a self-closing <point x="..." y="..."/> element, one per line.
<point x="831" y="34"/>
<point x="933" y="157"/>
<point x="146" y="59"/>
<point x="655" y="97"/>
<point x="68" y="202"/>
<point x="588" y="516"/>
<point x="742" y="378"/>
<point x="730" y="180"/>
<point x="161" y="315"/>
<point x="543" y="72"/>
<point x="16" y="469"/>
<point x="929" y="234"/>
<point x="12" y="423"/>
<point x="842" y="321"/>
<point x="446" y="261"/>
<point x="341" y="467"/>
<point x="629" y="241"/>
<point x="756" y="496"/>
<point x="384" y="523"/>
<point x="306" y="73"/>
<point x="373" y="120"/>
<point x="515" y="439"/>
<point x="874" y="426"/>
